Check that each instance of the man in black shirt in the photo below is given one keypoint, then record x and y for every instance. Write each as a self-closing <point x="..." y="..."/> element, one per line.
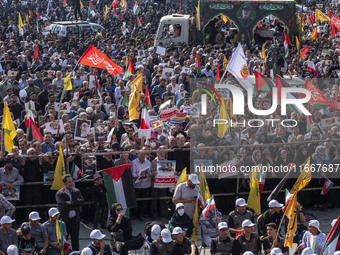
<point x="183" y="245"/>
<point x="223" y="244"/>
<point x="14" y="107"/>
<point x="273" y="214"/>
<point x="99" y="197"/>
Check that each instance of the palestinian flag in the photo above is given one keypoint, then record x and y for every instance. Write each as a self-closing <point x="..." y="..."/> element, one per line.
<point x="288" y="197"/>
<point x="262" y="83"/>
<point x="139" y="23"/>
<point x="90" y="8"/>
<point x="64" y="3"/>
<point x="198" y="64"/>
<point x="38" y="16"/>
<point x="75" y="172"/>
<point x="145" y="122"/>
<point x="304" y="50"/>
<point x="334" y="233"/>
<point x="119" y="184"/>
<point x="334" y="31"/>
<point x="210" y="206"/>
<point x="327" y="185"/>
<point x="32" y="131"/>
<point x="286" y="43"/>
<point x="136" y="9"/>
<point x="129" y="70"/>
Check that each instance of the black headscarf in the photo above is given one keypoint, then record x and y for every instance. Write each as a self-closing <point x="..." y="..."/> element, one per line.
<point x="125" y="224"/>
<point x="113" y="213"/>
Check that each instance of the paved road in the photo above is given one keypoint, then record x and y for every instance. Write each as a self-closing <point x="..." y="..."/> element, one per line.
<point x="325" y="219"/>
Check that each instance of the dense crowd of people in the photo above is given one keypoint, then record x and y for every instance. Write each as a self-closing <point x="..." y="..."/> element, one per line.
<point x="35" y="62"/>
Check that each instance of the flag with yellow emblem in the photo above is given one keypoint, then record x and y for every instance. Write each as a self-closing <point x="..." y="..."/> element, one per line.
<point x="223" y="127"/>
<point x="59" y="172"/>
<point x="319" y="15"/>
<point x="134" y="99"/>
<point x="254" y="193"/>
<point x="68" y="82"/>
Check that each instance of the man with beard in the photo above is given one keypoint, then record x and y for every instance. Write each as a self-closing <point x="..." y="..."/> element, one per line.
<point x="187" y="193"/>
<point x="182" y="157"/>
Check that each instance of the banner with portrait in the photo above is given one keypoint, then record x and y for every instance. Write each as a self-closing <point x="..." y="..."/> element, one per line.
<point x="89" y="165"/>
<point x="165" y="177"/>
<point x="101" y="131"/>
<point x="11" y="193"/>
<point x="83" y="127"/>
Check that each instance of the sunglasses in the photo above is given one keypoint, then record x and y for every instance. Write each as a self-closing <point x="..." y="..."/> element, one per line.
<point x="119" y="209"/>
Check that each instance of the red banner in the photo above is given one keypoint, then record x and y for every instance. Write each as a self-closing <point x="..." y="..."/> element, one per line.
<point x="95" y="58"/>
<point x="335" y="20"/>
<point x="317" y="96"/>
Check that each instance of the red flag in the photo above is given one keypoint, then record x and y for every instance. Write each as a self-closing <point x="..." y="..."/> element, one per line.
<point x="312" y="18"/>
<point x="218" y="72"/>
<point x="36" y="53"/>
<point x="90" y="4"/>
<point x="95" y="58"/>
<point x="114" y="11"/>
<point x="38" y="15"/>
<point x="147" y="96"/>
<point x="114" y="3"/>
<point x="317" y="96"/>
<point x="259" y="25"/>
<point x="198" y="62"/>
<point x="303" y="52"/>
<point x="64" y="3"/>
<point x="139" y="23"/>
<point x="334" y="32"/>
<point x="116" y="172"/>
<point x="30" y="13"/>
<point x="273" y="23"/>
<point x="180" y="5"/>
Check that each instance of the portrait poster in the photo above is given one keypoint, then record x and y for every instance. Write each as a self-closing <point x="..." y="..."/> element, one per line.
<point x="53" y="127"/>
<point x="165" y="177"/>
<point x="89" y="165"/>
<point x="83" y="127"/>
<point x="11" y="193"/>
<point x="64" y="107"/>
<point x="143" y="175"/>
<point x="101" y="131"/>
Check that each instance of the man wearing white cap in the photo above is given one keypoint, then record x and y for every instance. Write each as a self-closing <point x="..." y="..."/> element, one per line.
<point x="8" y="235"/>
<point x="313" y="238"/>
<point x="273" y="214"/>
<point x="187" y="193"/>
<point x="276" y="251"/>
<point x="50" y="234"/>
<point x="163" y="245"/>
<point x="223" y="244"/>
<point x="183" y="245"/>
<point x="249" y="241"/>
<point x="98" y="245"/>
<point x="12" y="250"/>
<point x="307" y="251"/>
<point x="237" y="216"/>
<point x="36" y="231"/>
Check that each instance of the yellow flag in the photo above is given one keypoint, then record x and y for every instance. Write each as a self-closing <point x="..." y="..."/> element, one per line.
<point x="9" y="130"/>
<point x="81" y="5"/>
<point x="134" y="99"/>
<point x="263" y="53"/>
<point x="225" y="19"/>
<point x="182" y="178"/>
<point x="319" y="15"/>
<point x="254" y="193"/>
<point x="198" y="16"/>
<point x="68" y="82"/>
<point x="27" y="19"/>
<point x="291" y="213"/>
<point x="122" y="3"/>
<point x="59" y="172"/>
<point x="297" y="43"/>
<point x="304" y="178"/>
<point x="57" y="231"/>
<point x="20" y="24"/>
<point x="195" y="222"/>
<point x="204" y="187"/>
<point x="314" y="34"/>
<point x="223" y="127"/>
<point x="225" y="62"/>
<point x="106" y="11"/>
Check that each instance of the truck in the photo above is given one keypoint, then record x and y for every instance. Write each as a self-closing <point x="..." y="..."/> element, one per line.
<point x="245" y="15"/>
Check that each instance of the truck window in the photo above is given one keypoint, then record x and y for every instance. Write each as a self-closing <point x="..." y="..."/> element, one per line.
<point x="171" y="31"/>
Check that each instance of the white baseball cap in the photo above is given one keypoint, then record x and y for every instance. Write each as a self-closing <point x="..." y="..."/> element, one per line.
<point x="166" y="235"/>
<point x="155" y="232"/>
<point x="248" y="253"/>
<point x="241" y="202"/>
<point x="179" y="205"/>
<point x="307" y="251"/>
<point x="315" y="223"/>
<point x="53" y="212"/>
<point x="247" y="223"/>
<point x="222" y="225"/>
<point x="86" y="251"/>
<point x="96" y="234"/>
<point x="274" y="203"/>
<point x="6" y="220"/>
<point x="337" y="253"/>
<point x="194" y="179"/>
<point x="275" y="251"/>
<point x="12" y="250"/>
<point x="177" y="230"/>
<point x="34" y="216"/>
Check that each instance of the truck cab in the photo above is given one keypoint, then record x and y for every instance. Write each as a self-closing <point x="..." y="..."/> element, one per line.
<point x="173" y="29"/>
